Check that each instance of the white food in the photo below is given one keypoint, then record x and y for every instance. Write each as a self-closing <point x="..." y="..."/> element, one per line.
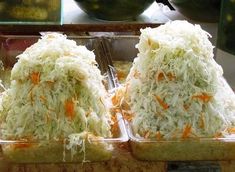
<point x="56" y="91"/>
<point x="175" y="88"/>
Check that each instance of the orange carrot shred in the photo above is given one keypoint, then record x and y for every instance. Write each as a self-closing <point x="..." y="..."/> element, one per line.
<point x="162" y="103"/>
<point x="187" y="131"/>
<point x="115" y="100"/>
<point x="22" y="145"/>
<point x="127" y="116"/>
<point x="231" y="130"/>
<point x="35" y="77"/>
<point x="218" y="135"/>
<point x="115" y="124"/>
<point x="121" y="75"/>
<point x="171" y="76"/>
<point x="146" y="135"/>
<point x="160" y="76"/>
<point x="186" y="107"/>
<point x="203" y="97"/>
<point x="69" y="109"/>
<point x="158" y="135"/>
<point x="43" y="98"/>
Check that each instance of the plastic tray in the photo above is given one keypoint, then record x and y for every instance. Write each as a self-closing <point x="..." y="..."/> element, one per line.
<point x="97" y="149"/>
<point x="182" y="150"/>
<point x="189" y="149"/>
<point x="173" y="150"/>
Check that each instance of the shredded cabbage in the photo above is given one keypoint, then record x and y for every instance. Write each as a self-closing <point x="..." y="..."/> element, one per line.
<point x="56" y="90"/>
<point x="175" y="88"/>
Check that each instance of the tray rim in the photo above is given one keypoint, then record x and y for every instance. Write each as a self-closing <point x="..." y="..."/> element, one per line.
<point x="139" y="140"/>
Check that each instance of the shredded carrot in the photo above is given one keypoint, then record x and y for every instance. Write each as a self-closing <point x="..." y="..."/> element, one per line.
<point x="43" y="98"/>
<point x="127" y="116"/>
<point x="125" y="106"/>
<point x="158" y="135"/>
<point x="203" y="97"/>
<point x="201" y="121"/>
<point x="171" y="76"/>
<point x="218" y="135"/>
<point x="187" y="131"/>
<point x="114" y="126"/>
<point x="114" y="118"/>
<point x="115" y="99"/>
<point x="35" y="77"/>
<point x="115" y="110"/>
<point x="22" y="145"/>
<point x="69" y="109"/>
<point x="231" y="130"/>
<point x="162" y="103"/>
<point x="186" y="107"/>
<point x="146" y="135"/>
<point x="121" y="75"/>
<point x="159" y="76"/>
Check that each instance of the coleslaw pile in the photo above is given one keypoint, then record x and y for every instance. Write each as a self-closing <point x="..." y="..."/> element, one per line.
<point x="56" y="92"/>
<point x="175" y="89"/>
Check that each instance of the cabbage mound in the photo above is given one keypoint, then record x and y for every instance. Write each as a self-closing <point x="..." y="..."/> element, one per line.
<point x="56" y="91"/>
<point x="175" y="89"/>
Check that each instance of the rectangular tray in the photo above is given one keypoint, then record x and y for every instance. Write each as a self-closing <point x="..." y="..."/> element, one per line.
<point x="201" y="149"/>
<point x="97" y="149"/>
<point x="181" y="150"/>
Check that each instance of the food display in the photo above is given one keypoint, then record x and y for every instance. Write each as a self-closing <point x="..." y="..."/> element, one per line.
<point x="30" y="11"/>
<point x="175" y="95"/>
<point x="56" y="108"/>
